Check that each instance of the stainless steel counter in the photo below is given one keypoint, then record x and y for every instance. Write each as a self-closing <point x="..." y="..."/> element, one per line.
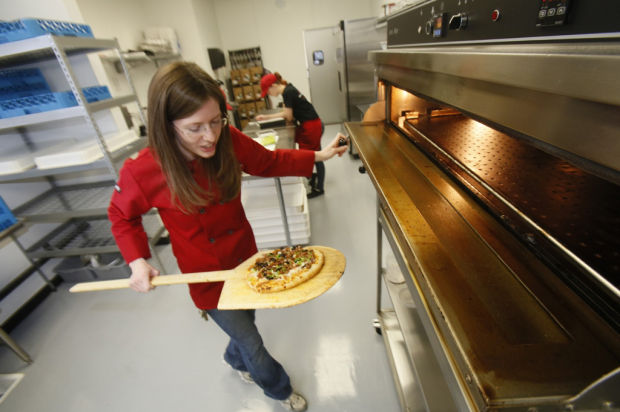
<point x="286" y="134"/>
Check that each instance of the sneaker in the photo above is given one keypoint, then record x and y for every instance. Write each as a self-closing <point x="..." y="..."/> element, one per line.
<point x="295" y="402"/>
<point x="245" y="375"/>
<point x="315" y="193"/>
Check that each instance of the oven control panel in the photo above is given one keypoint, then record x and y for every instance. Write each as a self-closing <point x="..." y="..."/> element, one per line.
<point x="552" y="13"/>
<point x="487" y="21"/>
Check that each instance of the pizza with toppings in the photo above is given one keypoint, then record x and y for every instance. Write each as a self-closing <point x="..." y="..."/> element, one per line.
<point x="284" y="268"/>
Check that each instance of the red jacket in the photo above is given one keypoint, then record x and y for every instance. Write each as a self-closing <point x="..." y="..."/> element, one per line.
<point x="216" y="237"/>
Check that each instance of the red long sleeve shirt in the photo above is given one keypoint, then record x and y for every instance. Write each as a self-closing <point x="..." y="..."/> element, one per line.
<point x="217" y="236"/>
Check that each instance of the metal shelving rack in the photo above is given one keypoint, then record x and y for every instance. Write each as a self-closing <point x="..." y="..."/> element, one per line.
<point x="47" y="47"/>
<point x="80" y="210"/>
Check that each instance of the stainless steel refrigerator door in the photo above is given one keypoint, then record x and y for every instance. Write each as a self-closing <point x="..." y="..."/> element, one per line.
<point x="324" y="49"/>
<point x="361" y="36"/>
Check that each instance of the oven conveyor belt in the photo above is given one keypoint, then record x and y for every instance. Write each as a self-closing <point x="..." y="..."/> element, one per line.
<point x="578" y="209"/>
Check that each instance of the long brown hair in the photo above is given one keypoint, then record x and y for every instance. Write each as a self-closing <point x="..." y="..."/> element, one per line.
<point x="176" y="91"/>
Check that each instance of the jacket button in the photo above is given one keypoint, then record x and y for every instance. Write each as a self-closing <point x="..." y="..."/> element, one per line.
<point x="230" y="231"/>
<point x="212" y="240"/>
<point x="202" y="211"/>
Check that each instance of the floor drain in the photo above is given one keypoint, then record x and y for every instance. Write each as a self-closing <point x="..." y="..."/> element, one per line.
<point x="7" y="383"/>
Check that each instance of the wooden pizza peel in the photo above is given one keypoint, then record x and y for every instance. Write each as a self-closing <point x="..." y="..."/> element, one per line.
<point x="236" y="294"/>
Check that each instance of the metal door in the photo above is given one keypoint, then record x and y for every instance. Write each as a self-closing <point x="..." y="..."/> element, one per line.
<point x="361" y="36"/>
<point x="324" y="49"/>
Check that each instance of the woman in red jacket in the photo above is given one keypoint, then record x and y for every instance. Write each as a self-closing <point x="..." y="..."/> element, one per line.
<point x="191" y="172"/>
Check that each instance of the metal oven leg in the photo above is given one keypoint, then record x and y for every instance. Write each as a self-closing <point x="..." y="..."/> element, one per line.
<point x="376" y="322"/>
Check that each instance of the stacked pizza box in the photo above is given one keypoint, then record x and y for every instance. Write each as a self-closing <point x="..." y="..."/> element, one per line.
<point x="67" y="153"/>
<point x="262" y="208"/>
<point x="77" y="152"/>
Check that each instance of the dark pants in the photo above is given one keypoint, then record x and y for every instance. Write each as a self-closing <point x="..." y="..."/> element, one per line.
<point x="246" y="352"/>
<point x="320" y="168"/>
<point x="320" y="175"/>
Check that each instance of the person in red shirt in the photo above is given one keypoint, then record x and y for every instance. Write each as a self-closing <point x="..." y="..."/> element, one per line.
<point x="191" y="173"/>
<point x="297" y="109"/>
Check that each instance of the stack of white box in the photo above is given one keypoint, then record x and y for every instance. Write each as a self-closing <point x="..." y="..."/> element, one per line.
<point x="70" y="152"/>
<point x="262" y="208"/>
<point x="76" y="152"/>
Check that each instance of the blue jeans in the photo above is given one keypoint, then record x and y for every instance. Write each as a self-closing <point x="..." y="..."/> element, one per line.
<point x="246" y="352"/>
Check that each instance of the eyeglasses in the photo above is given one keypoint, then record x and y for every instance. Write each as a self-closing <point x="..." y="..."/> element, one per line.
<point x="198" y="130"/>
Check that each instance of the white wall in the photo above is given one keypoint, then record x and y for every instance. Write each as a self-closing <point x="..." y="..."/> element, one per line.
<point x="207" y="23"/>
<point x="114" y="19"/>
<point x="277" y="27"/>
<point x="66" y="10"/>
<point x="126" y="20"/>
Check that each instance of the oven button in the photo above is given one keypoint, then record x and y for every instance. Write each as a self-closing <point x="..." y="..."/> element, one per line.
<point x="551" y="12"/>
<point x="561" y="11"/>
<point x="428" y="28"/>
<point x="542" y="13"/>
<point x="458" y="22"/>
<point x="495" y="15"/>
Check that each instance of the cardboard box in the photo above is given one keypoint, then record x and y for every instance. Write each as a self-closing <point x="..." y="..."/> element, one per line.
<point x="260" y="106"/>
<point x="256" y="73"/>
<point x="242" y="111"/>
<point x="245" y="76"/>
<point x="235" y="77"/>
<point x="257" y="91"/>
<point x="238" y="94"/>
<point x="250" y="109"/>
<point x="248" y="93"/>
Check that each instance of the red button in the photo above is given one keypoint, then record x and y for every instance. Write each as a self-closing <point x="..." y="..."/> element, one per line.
<point x="495" y="15"/>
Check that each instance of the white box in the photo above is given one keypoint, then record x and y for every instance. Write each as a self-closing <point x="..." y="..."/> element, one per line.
<point x="263" y="201"/>
<point x="164" y="34"/>
<point x="15" y="161"/>
<point x="70" y="154"/>
<point x="272" y="236"/>
<point x="268" y="182"/>
<point x="75" y="152"/>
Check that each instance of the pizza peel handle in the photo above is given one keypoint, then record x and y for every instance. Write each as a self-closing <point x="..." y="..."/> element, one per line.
<point x="164" y="280"/>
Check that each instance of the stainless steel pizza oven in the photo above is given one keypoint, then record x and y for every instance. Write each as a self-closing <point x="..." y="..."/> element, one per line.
<point x="497" y="171"/>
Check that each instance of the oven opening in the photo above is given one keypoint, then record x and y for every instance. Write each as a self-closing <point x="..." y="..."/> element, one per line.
<point x="565" y="215"/>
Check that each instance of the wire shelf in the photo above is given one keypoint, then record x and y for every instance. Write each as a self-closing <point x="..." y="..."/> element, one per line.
<point x="64" y="202"/>
<point x="88" y="236"/>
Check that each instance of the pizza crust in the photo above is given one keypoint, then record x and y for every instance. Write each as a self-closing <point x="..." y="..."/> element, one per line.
<point x="288" y="280"/>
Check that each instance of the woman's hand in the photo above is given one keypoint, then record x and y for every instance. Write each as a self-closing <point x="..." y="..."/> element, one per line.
<point x="332" y="149"/>
<point x="286" y="113"/>
<point x="141" y="274"/>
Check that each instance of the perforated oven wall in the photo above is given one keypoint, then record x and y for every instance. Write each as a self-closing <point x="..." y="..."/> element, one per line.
<point x="576" y="208"/>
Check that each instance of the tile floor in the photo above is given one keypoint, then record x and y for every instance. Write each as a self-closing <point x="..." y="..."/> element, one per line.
<point x="120" y="351"/>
